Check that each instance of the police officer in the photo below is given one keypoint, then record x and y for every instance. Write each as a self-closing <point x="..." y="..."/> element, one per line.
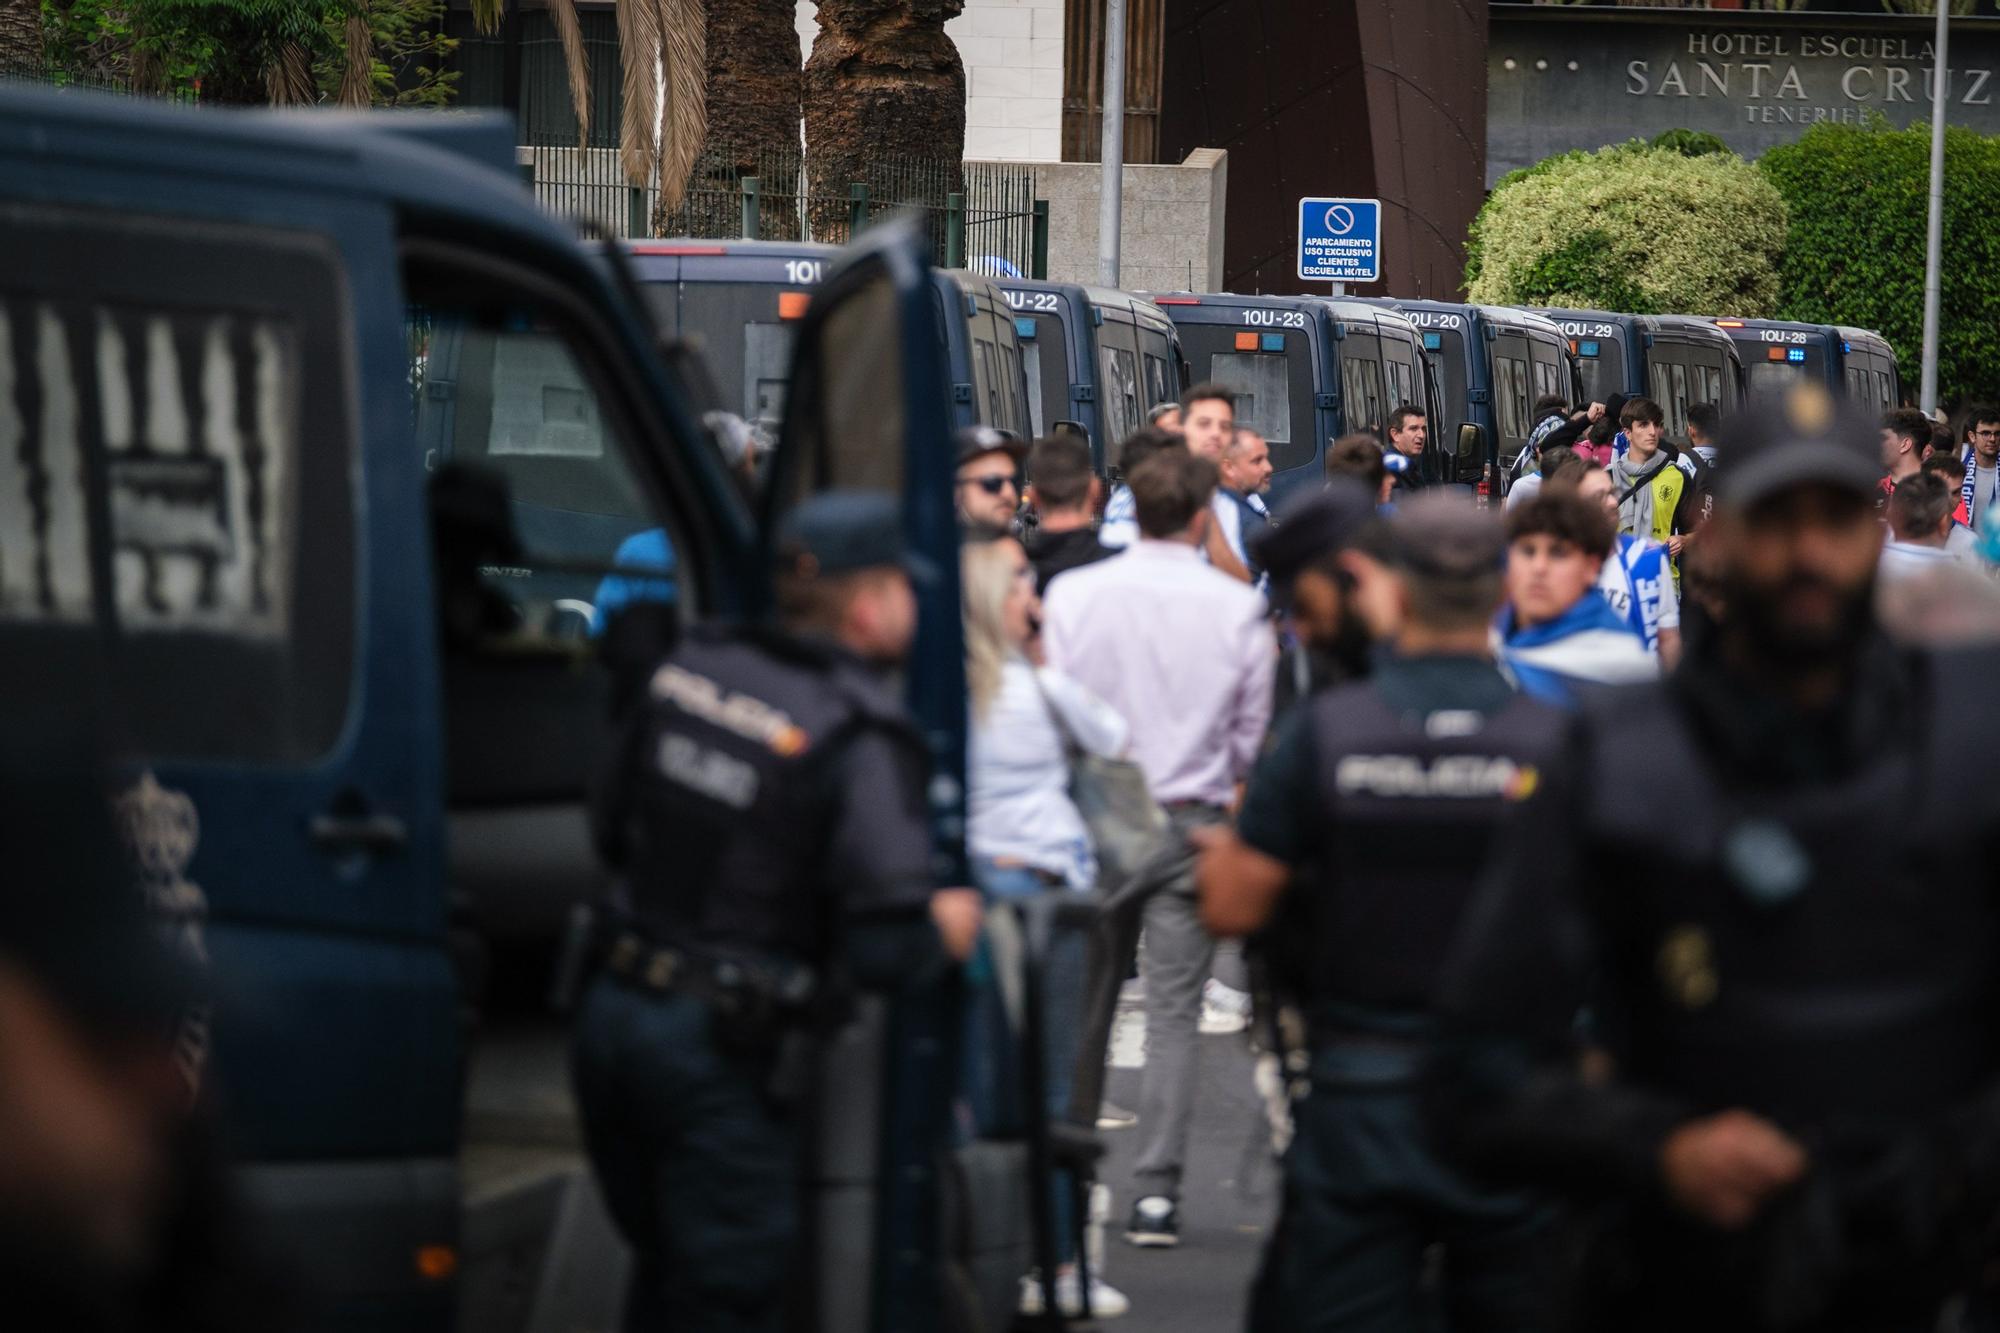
<point x="1327" y="580"/>
<point x="765" y="807"/>
<point x="1375" y="809"/>
<point x="1782" y="1111"/>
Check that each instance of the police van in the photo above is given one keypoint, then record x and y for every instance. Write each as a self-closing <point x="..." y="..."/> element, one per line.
<point x="347" y="687"/>
<point x="1098" y="359"/>
<point x="1858" y="364"/>
<point x="1305" y="369"/>
<point x="1676" y="360"/>
<point x="1492" y="363"/>
<point x="737" y="303"/>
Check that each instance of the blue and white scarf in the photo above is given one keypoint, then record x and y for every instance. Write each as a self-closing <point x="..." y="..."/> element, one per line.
<point x="1967" y="491"/>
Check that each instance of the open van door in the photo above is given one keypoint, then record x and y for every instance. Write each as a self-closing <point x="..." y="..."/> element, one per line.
<point x="868" y="410"/>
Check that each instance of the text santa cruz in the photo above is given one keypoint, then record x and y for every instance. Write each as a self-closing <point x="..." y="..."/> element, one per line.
<point x="1790" y="77"/>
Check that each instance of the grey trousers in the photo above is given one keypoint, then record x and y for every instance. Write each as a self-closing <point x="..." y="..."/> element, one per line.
<point x="1178" y="954"/>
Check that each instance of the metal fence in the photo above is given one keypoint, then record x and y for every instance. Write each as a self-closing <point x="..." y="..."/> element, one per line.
<point x="977" y="214"/>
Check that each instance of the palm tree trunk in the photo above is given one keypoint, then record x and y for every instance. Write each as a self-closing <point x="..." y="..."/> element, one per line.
<point x="21" y="36"/>
<point x="754" y="85"/>
<point x="884" y="81"/>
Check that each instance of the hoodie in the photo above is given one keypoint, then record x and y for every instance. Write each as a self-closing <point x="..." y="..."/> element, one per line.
<point x="1589" y="644"/>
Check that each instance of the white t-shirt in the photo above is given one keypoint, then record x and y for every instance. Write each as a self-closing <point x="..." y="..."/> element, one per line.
<point x="1120" y="527"/>
<point x="1901" y="560"/>
<point x="1017" y="771"/>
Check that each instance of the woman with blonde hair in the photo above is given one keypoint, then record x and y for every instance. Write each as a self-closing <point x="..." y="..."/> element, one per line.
<point x="1023" y="831"/>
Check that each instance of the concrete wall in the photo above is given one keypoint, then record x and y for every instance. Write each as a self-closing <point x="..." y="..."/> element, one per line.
<point x="1172" y="237"/>
<point x="1013" y="54"/>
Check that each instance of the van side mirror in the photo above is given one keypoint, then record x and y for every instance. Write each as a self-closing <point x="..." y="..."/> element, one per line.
<point x="1471" y="450"/>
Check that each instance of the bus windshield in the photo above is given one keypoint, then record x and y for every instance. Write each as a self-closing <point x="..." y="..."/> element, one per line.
<point x="1445" y="350"/>
<point x="1274" y="391"/>
<point x="1601" y="362"/>
<point x="747" y="346"/>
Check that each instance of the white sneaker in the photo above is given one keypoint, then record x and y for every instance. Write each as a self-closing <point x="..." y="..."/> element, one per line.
<point x="1224" y="1009"/>
<point x="1112" y="1116"/>
<point x="1106" y="1301"/>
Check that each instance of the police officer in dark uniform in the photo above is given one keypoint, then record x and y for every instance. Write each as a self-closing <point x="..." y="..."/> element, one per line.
<point x="765" y="808"/>
<point x="1782" y="1107"/>
<point x="1321" y="567"/>
<point x="1374" y="810"/>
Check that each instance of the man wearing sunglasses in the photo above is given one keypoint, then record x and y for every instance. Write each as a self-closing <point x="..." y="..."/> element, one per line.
<point x="989" y="485"/>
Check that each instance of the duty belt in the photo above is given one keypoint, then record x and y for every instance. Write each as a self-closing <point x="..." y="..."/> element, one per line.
<point x="732" y="985"/>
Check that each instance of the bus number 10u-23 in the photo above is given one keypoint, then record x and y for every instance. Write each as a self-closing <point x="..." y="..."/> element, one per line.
<point x="1276" y="319"/>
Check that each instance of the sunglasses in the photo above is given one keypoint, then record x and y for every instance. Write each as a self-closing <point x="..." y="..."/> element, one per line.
<point x="991" y="485"/>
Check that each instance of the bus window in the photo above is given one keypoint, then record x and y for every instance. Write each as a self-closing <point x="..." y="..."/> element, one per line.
<point x="1510" y="397"/>
<point x="1118" y="396"/>
<point x="1158" y="382"/>
<point x="1710" y="385"/>
<point x="1676" y="407"/>
<point x="1361" y="390"/>
<point x="1601" y="363"/>
<point x="767" y="359"/>
<point x="1882" y="383"/>
<point x="1401" y="383"/>
<point x="1548" y="380"/>
<point x="1012" y="379"/>
<point x="1261" y="383"/>
<point x="986" y="381"/>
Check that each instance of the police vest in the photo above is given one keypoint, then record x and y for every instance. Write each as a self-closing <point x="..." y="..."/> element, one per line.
<point x="1827" y="954"/>
<point x="731" y="790"/>
<point x="1411" y="806"/>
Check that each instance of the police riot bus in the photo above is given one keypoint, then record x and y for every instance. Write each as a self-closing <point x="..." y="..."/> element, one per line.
<point x="1097" y="361"/>
<point x="1305" y="369"/>
<point x="737" y="304"/>
<point x="1676" y="360"/>
<point x="1492" y="363"/>
<point x="1858" y="364"/>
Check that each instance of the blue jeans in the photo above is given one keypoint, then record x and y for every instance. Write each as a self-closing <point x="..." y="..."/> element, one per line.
<point x="699" y="1167"/>
<point x="992" y="1058"/>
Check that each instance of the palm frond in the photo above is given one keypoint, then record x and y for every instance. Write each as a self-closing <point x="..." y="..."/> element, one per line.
<point x="288" y="79"/>
<point x="486" y="14"/>
<point x="684" y="67"/>
<point x="357" y="70"/>
<point x="576" y="65"/>
<point x="639" y="61"/>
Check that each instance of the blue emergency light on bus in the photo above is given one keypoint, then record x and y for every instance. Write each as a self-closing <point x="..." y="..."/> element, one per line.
<point x="1433" y="341"/>
<point x="1795" y="354"/>
<point x="1024" y="328"/>
<point x="1274" y="342"/>
<point x="1586" y="349"/>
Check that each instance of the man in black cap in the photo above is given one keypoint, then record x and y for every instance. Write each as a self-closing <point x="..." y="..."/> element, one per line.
<point x="1760" y="1056"/>
<point x="989" y="480"/>
<point x="1367" y="824"/>
<point x="765" y="809"/>
<point x="1331" y="589"/>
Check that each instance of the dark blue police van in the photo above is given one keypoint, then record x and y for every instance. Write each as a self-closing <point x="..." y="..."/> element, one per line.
<point x="1492" y="363"/>
<point x="302" y="403"/>
<point x="1676" y="360"/>
<point x="1305" y="369"/>
<point x="1857" y="364"/>
<point x="1098" y="359"/>
<point x="737" y="304"/>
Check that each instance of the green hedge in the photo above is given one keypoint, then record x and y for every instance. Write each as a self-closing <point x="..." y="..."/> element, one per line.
<point x="1633" y="227"/>
<point x="1857" y="197"/>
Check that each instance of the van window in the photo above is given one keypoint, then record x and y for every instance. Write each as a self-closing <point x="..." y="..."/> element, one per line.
<point x="1549" y="381"/>
<point x="1888" y="392"/>
<point x="755" y="361"/>
<point x="500" y="388"/>
<point x="1510" y="397"/>
<point x="177" y="411"/>
<point x="1158" y="383"/>
<point x="1401" y="384"/>
<point x="1118" y="394"/>
<point x="1361" y="383"/>
<point x="1262" y="385"/>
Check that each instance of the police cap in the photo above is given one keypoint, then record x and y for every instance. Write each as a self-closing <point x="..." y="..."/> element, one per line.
<point x="1800" y="437"/>
<point x="1314" y="525"/>
<point x="1443" y="535"/>
<point x="839" y="532"/>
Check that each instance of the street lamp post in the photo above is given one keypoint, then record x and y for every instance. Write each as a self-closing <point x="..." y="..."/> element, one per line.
<point x="1110" y="202"/>
<point x="1934" y="241"/>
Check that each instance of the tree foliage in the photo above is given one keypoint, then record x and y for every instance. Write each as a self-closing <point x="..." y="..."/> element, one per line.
<point x="1858" y="197"/>
<point x="1633" y="227"/>
<point x="384" y="52"/>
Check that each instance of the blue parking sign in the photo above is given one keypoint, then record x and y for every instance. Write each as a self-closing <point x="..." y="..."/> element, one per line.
<point x="1340" y="240"/>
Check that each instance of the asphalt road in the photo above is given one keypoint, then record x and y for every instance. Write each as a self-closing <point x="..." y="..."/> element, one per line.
<point x="1230" y="1199"/>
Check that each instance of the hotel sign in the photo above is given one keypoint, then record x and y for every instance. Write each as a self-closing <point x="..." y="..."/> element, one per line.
<point x="1583" y="83"/>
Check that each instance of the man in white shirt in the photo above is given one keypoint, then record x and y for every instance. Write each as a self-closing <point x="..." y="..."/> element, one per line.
<point x="1184" y="653"/>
